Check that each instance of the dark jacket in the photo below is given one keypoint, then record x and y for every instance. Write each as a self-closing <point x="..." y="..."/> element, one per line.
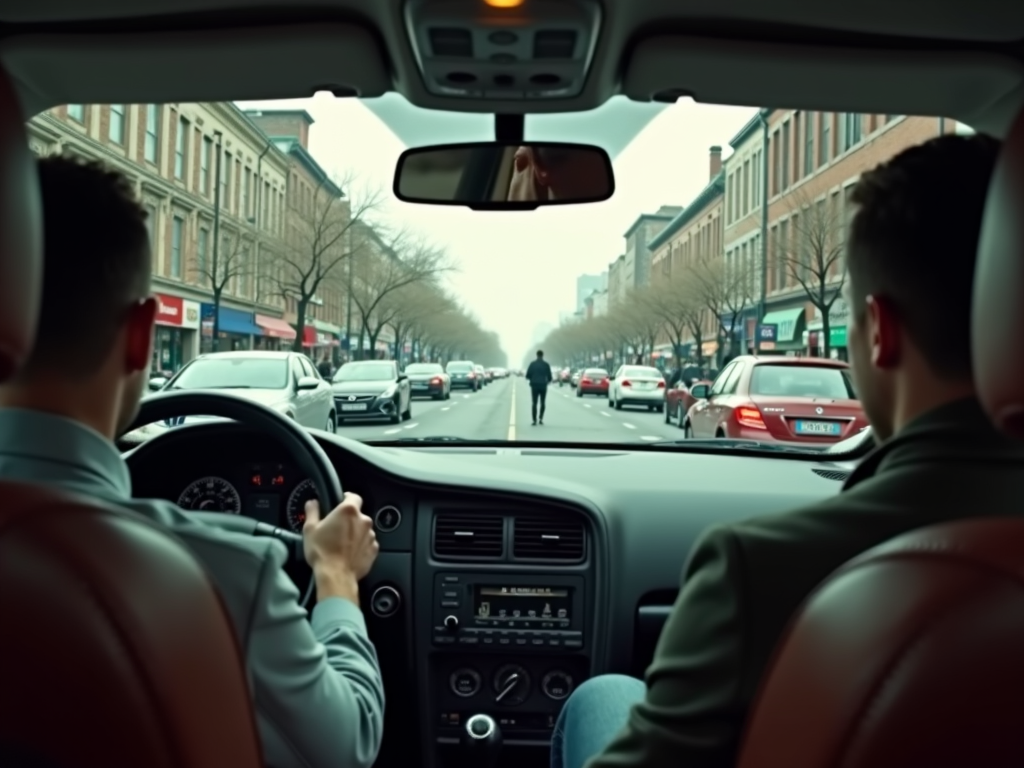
<point x="539" y="374"/>
<point x="744" y="581"/>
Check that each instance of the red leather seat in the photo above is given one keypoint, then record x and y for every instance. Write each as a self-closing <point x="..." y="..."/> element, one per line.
<point x="115" y="650"/>
<point x="912" y="655"/>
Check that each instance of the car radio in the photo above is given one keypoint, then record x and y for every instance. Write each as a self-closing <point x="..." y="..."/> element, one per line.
<point x="521" y="613"/>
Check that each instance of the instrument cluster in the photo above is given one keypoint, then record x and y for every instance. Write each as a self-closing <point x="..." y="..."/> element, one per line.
<point x="269" y="492"/>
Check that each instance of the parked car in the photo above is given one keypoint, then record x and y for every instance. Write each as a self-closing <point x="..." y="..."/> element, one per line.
<point x="285" y="381"/>
<point x="574" y="379"/>
<point x="463" y="375"/>
<point x="429" y="380"/>
<point x="807" y="401"/>
<point x="481" y="375"/>
<point x="593" y="381"/>
<point x="641" y="385"/>
<point x="679" y="400"/>
<point x="372" y="389"/>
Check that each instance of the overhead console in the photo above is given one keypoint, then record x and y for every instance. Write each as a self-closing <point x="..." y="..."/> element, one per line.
<point x="503" y="49"/>
<point x="510" y="628"/>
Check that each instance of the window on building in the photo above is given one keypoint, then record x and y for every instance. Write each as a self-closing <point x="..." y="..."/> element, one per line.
<point x="785" y="254"/>
<point x="785" y="155"/>
<point x="204" y="165"/>
<point x="776" y="170"/>
<point x="77" y="112"/>
<point x="225" y="181"/>
<point x="116" y="127"/>
<point x="202" y="249"/>
<point x="756" y="183"/>
<point x="731" y="188"/>
<point x="824" y="138"/>
<point x="849" y="130"/>
<point x="745" y="184"/>
<point x="151" y="227"/>
<point x="180" y="145"/>
<point x="798" y="142"/>
<point x="244" y="271"/>
<point x="152" y="142"/>
<point x="808" y="143"/>
<point x="265" y="206"/>
<point x="177" y="227"/>
<point x="246" y="189"/>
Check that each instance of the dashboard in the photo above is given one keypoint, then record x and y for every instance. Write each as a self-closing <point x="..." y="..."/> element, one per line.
<point x="507" y="575"/>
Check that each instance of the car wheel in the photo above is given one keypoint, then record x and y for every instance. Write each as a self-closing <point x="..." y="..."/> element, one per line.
<point x="667" y="416"/>
<point x="332" y="424"/>
<point x="578" y="393"/>
<point x="681" y="419"/>
<point x="687" y="431"/>
<point x="395" y="417"/>
<point x="407" y="415"/>
<point x="661" y="409"/>
<point x="618" y="405"/>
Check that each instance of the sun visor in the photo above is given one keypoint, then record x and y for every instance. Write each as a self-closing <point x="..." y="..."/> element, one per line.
<point x="220" y="65"/>
<point x="961" y="85"/>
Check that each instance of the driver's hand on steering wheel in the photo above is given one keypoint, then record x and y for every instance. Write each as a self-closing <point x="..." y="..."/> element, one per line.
<point x="340" y="547"/>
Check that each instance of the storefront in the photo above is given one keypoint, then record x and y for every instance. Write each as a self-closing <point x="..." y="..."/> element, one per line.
<point x="176" y="339"/>
<point x="789" y="330"/>
<point x="277" y="334"/>
<point x="814" y="336"/>
<point x="236" y="329"/>
<point x="321" y="340"/>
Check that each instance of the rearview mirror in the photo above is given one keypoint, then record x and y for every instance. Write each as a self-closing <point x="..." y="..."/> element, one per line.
<point x="497" y="176"/>
<point x="157" y="383"/>
<point x="700" y="391"/>
<point x="307" y="382"/>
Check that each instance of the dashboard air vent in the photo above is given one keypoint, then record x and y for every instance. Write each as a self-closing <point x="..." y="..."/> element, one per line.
<point x="466" y="535"/>
<point x="546" y="537"/>
<point x="554" y="44"/>
<point x="838" y="475"/>
<point x="451" y="42"/>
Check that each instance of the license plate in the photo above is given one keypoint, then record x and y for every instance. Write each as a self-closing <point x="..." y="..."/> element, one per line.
<point x="353" y="407"/>
<point x="420" y="386"/>
<point x="644" y="385"/>
<point x="826" y="428"/>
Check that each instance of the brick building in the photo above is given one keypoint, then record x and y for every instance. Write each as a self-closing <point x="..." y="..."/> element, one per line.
<point x="635" y="270"/>
<point x="169" y="151"/>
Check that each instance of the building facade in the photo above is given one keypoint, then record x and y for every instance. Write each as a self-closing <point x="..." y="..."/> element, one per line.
<point x="635" y="271"/>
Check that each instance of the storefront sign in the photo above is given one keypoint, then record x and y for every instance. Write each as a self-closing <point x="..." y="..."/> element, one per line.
<point x="838" y="313"/>
<point x="191" y="312"/>
<point x="767" y="333"/>
<point x="171" y="310"/>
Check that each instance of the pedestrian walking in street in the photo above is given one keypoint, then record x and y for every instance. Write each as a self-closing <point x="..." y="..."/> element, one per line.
<point x="539" y="376"/>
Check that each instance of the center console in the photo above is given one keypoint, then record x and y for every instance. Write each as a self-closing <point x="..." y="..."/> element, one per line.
<point x="508" y="645"/>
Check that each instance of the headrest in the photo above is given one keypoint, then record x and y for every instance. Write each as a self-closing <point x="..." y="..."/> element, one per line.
<point x="21" y="235"/>
<point x="998" y="306"/>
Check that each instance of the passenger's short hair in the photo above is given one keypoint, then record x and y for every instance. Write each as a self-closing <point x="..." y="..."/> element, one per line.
<point x="97" y="263"/>
<point x="540" y="353"/>
<point x="914" y="240"/>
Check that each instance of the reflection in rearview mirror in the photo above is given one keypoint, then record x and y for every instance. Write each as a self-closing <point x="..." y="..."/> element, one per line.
<point x="498" y="176"/>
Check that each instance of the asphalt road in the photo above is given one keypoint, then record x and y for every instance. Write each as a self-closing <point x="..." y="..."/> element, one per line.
<point x="501" y="411"/>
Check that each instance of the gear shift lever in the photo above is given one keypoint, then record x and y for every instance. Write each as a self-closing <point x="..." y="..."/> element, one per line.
<point x="481" y="742"/>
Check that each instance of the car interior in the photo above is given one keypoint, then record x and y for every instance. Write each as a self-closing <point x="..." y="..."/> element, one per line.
<point x="117" y="650"/>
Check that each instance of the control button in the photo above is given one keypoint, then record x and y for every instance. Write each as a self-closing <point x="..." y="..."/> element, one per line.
<point x="385" y="601"/>
<point x="520" y="641"/>
<point x="465" y="682"/>
<point x="387" y="519"/>
<point x="449" y="603"/>
<point x="554" y="642"/>
<point x="487" y="640"/>
<point x="556" y="684"/>
<point x="537" y="641"/>
<point x="451" y="594"/>
<point x="451" y="623"/>
<point x="443" y="639"/>
<point x="573" y="643"/>
<point x="450" y="579"/>
<point x="468" y="640"/>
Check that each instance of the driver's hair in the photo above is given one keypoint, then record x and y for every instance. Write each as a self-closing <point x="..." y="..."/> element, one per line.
<point x="96" y="264"/>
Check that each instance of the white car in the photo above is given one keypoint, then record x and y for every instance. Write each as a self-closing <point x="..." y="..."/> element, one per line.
<point x="637" y="385"/>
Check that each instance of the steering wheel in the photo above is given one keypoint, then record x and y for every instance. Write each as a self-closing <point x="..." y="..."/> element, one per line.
<point x="303" y="449"/>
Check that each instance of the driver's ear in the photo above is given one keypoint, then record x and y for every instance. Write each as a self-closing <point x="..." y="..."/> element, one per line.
<point x="138" y="346"/>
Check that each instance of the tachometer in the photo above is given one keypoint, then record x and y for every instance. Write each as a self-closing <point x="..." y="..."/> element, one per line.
<point x="211" y="494"/>
<point x="303" y="492"/>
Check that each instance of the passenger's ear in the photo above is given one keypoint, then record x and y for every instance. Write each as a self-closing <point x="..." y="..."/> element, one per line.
<point x="139" y="335"/>
<point x="884" y="332"/>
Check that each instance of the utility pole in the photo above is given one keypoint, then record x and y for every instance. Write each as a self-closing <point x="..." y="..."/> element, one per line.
<point x="214" y="272"/>
<point x="348" y="301"/>
<point x="257" y="223"/>
<point x="762" y="308"/>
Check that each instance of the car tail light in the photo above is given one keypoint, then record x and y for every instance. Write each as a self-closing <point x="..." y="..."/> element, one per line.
<point x="436" y="380"/>
<point x="472" y="375"/>
<point x="627" y="383"/>
<point x="585" y="381"/>
<point x="661" y="385"/>
<point x="748" y="416"/>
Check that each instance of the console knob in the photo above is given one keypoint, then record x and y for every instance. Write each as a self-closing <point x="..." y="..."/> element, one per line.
<point x="451" y="623"/>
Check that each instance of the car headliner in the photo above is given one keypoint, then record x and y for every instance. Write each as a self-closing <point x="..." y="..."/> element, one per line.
<point x="929" y="57"/>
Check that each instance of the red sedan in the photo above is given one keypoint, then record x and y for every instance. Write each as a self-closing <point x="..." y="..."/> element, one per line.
<point x="804" y="401"/>
<point x="593" y="381"/>
<point x="678" y="401"/>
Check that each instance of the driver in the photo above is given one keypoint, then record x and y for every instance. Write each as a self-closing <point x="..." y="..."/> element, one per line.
<point x="315" y="684"/>
<point x="558" y="173"/>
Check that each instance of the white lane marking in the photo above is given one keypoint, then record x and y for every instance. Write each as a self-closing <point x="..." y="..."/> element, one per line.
<point x="605" y="413"/>
<point x="392" y="431"/>
<point x="628" y="426"/>
<point x="586" y="405"/>
<point x="650" y="437"/>
<point x="411" y="426"/>
<point x="512" y="416"/>
<point x="446" y="408"/>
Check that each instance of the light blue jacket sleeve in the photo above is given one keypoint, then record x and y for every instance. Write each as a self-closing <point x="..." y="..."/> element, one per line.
<point x="317" y="684"/>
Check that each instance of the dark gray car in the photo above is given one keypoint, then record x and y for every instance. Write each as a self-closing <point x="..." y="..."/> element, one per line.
<point x="371" y="389"/>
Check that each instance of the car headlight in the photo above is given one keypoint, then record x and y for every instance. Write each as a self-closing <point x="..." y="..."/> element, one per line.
<point x="390" y="391"/>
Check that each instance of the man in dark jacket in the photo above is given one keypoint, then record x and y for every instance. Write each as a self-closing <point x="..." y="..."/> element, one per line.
<point x="909" y="290"/>
<point x="539" y="376"/>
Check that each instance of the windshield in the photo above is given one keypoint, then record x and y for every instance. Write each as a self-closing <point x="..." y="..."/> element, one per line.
<point x="672" y="277"/>
<point x="233" y="373"/>
<point x="801" y="381"/>
<point x="365" y="372"/>
<point x="420" y="369"/>
<point x="595" y="372"/>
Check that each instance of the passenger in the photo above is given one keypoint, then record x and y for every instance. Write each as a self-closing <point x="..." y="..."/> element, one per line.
<point x="315" y="683"/>
<point x="910" y="258"/>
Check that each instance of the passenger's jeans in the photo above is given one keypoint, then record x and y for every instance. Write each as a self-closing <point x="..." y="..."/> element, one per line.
<point x="541" y="395"/>
<point x="592" y="716"/>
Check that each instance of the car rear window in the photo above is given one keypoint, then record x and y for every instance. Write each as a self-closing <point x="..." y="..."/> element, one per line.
<point x="595" y="372"/>
<point x="801" y="381"/>
<point x="639" y="372"/>
<point x="459" y="367"/>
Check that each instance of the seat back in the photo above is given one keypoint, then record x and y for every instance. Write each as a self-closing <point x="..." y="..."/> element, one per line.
<point x="115" y="650"/>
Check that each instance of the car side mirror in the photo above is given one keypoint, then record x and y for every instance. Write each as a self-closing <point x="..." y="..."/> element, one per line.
<point x="158" y="383"/>
<point x="700" y="391"/>
<point x="306" y="383"/>
<point x="402" y="377"/>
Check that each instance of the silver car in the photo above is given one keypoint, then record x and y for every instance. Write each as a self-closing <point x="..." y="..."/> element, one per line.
<point x="288" y="382"/>
<point x="637" y="385"/>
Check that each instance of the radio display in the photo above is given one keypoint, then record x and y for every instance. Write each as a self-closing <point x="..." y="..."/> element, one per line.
<point x="496" y="604"/>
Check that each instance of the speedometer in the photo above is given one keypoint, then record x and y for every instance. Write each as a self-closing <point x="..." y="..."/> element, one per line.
<point x="211" y="494"/>
<point x="303" y="492"/>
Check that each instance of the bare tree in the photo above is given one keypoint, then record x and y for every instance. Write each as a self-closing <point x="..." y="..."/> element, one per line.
<point x="726" y="290"/>
<point x="812" y="254"/>
<point x="678" y="304"/>
<point x="318" y="240"/>
<point x="409" y="306"/>
<point x="640" y="323"/>
<point x="228" y="271"/>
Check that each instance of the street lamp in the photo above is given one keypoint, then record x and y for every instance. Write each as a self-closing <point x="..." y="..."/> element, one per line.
<point x="218" y="142"/>
<point x="762" y="308"/>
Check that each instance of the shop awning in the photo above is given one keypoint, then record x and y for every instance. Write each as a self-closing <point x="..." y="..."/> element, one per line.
<point x="275" y="327"/>
<point x="325" y="327"/>
<point x="786" y="320"/>
<point x="231" y="321"/>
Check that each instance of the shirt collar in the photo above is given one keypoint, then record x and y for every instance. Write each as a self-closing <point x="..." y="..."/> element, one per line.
<point x="70" y="451"/>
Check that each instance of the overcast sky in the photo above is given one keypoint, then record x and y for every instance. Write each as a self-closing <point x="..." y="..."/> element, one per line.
<point x="519" y="269"/>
